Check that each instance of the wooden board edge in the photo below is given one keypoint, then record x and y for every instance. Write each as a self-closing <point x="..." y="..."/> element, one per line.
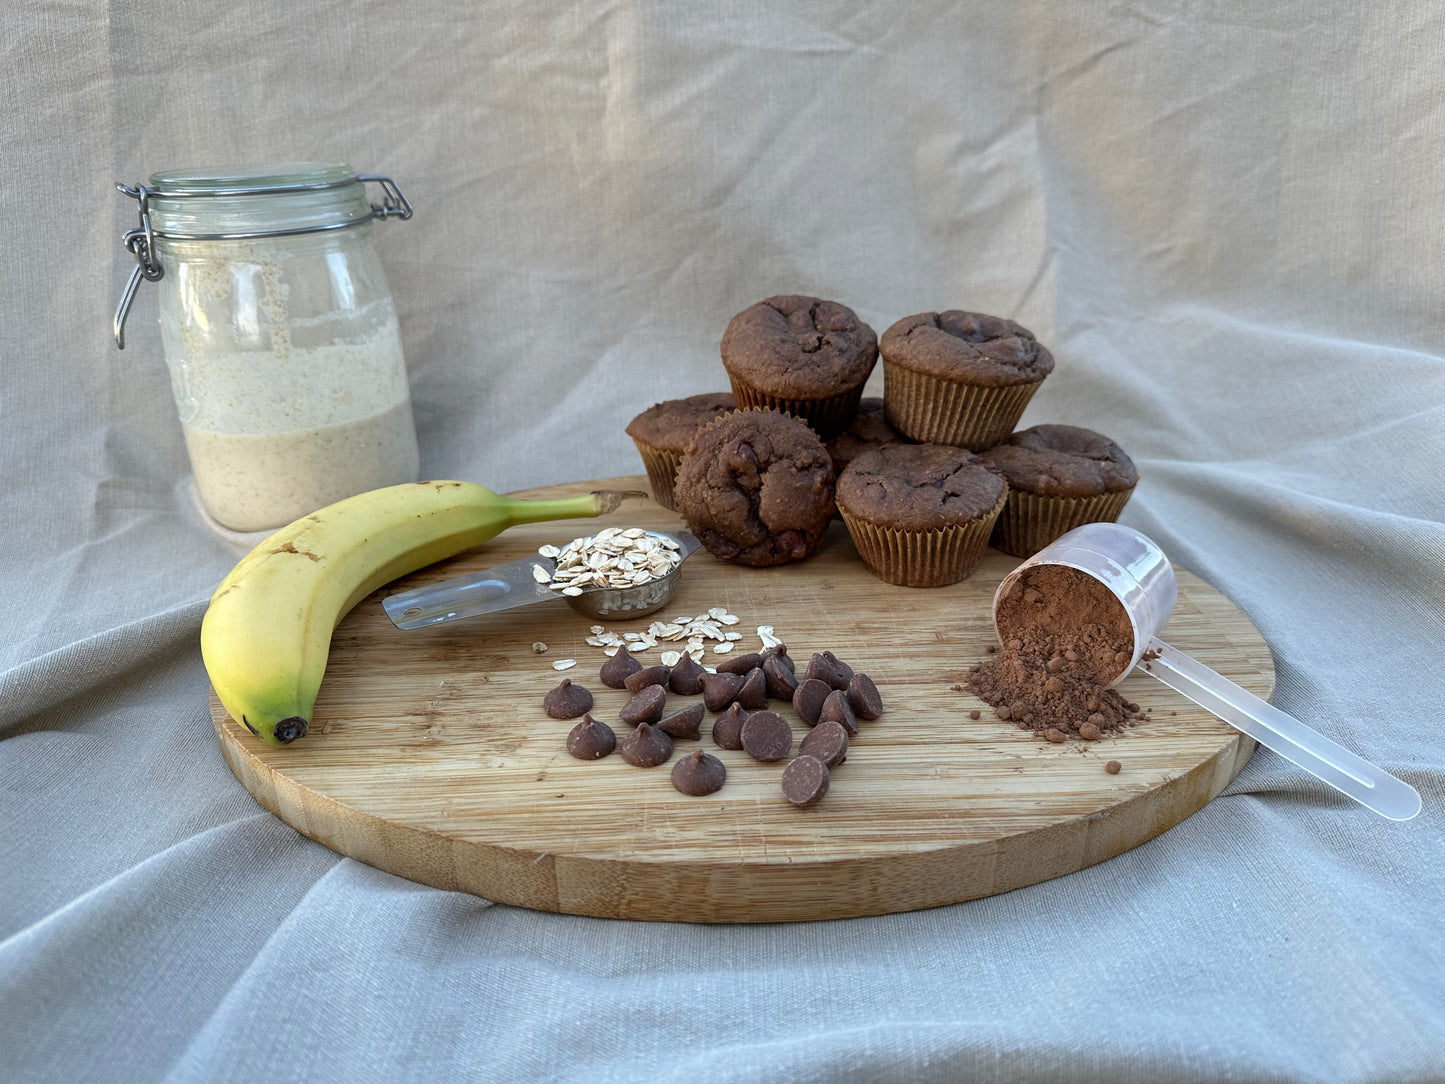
<point x="640" y="889"/>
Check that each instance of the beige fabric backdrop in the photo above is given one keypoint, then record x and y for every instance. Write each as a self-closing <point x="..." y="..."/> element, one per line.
<point x="1225" y="219"/>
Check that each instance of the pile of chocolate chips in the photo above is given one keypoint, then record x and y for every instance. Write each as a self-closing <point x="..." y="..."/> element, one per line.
<point x="1065" y="638"/>
<point x="830" y="697"/>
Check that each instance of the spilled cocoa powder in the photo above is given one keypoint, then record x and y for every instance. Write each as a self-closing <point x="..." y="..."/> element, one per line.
<point x="1065" y="637"/>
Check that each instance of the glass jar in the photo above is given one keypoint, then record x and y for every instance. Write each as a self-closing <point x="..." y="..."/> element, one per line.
<point x="279" y="333"/>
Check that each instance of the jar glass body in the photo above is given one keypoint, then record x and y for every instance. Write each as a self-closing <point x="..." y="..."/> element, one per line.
<point x="287" y="368"/>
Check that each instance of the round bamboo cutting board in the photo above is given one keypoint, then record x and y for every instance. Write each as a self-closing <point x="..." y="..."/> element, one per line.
<point x="430" y="756"/>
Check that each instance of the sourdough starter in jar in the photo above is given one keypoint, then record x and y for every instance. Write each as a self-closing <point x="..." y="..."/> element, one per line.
<point x="335" y="421"/>
<point x="315" y="412"/>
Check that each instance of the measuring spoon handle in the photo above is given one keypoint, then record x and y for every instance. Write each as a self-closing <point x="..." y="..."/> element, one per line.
<point x="1372" y="787"/>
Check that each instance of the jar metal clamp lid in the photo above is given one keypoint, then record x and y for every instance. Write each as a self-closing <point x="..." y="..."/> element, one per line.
<point x="245" y="204"/>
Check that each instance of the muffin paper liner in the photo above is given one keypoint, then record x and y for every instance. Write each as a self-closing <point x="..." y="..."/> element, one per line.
<point x="936" y="411"/>
<point x="661" y="470"/>
<point x="1029" y="522"/>
<point x="923" y="558"/>
<point x="827" y="417"/>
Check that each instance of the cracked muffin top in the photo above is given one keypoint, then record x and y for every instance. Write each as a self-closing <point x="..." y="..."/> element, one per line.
<point x="1062" y="461"/>
<point x="795" y="347"/>
<point x="919" y="487"/>
<point x="756" y="487"/>
<point x="967" y="346"/>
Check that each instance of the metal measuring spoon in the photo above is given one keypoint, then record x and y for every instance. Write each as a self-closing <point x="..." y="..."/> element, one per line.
<point x="513" y="585"/>
<point x="1138" y="574"/>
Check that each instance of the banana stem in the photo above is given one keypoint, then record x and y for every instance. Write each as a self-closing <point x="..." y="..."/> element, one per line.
<point x="598" y="503"/>
<point x="609" y="500"/>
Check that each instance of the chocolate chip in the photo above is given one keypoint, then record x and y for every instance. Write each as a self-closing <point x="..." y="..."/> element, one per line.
<point x="720" y="690"/>
<point x="740" y="664"/>
<point x="767" y="736"/>
<point x="780" y="652"/>
<point x="805" y="781"/>
<point x="638" y="680"/>
<point x="567" y="701"/>
<point x="808" y="699"/>
<point x="727" y="728"/>
<point x="754" y="693"/>
<point x="684" y="677"/>
<point x="844" y="670"/>
<point x="615" y="670"/>
<point x="646" y="747"/>
<point x="1113" y="767"/>
<point x="780" y="679"/>
<point x="863" y="697"/>
<point x="684" y="724"/>
<point x="645" y="707"/>
<point x="699" y="773"/>
<point x="837" y="709"/>
<point x="828" y="741"/>
<point x="821" y="668"/>
<point x="591" y="739"/>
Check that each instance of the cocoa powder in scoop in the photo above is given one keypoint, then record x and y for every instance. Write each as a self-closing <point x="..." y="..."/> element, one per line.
<point x="1065" y="637"/>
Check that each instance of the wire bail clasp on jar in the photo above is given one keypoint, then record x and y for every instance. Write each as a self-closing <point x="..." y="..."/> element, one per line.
<point x="140" y="241"/>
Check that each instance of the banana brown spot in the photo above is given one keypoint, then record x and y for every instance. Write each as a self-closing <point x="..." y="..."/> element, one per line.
<point x="290" y="547"/>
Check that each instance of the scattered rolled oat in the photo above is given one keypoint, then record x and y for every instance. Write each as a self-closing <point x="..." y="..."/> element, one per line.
<point x="694" y="633"/>
<point x="564" y="664"/>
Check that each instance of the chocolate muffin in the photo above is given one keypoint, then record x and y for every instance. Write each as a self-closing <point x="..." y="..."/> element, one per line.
<point x="801" y="355"/>
<point x="1059" y="476"/>
<point x="920" y="515"/>
<point x="663" y="431"/>
<point x="869" y="429"/>
<point x="756" y="487"/>
<point x="960" y="378"/>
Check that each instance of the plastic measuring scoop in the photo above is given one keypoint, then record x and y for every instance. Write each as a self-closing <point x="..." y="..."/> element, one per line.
<point x="1135" y="569"/>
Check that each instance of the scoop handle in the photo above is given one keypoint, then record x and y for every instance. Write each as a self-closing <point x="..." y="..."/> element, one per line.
<point x="1284" y="734"/>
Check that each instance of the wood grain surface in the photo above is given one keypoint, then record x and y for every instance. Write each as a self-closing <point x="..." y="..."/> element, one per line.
<point x="430" y="756"/>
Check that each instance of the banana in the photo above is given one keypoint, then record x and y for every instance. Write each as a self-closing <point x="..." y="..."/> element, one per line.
<point x="267" y="632"/>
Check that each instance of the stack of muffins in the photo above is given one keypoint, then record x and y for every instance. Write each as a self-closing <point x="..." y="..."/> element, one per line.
<point x="924" y="478"/>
